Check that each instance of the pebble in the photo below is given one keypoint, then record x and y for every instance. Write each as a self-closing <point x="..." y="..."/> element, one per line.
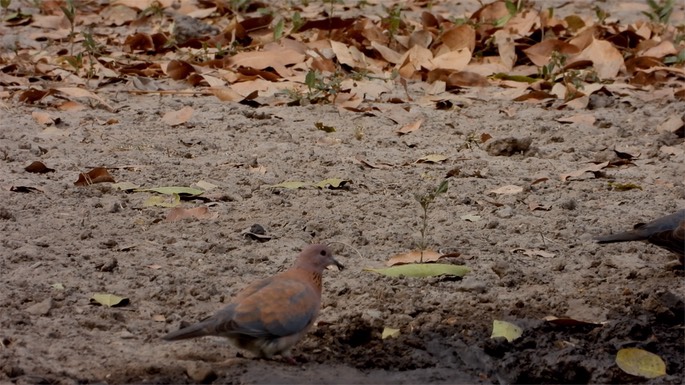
<point x="200" y="372"/>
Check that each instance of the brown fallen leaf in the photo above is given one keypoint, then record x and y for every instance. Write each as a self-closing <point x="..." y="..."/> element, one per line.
<point x="377" y="165"/>
<point x="567" y="321"/>
<point x="43" y="118"/>
<point x="605" y="58"/>
<point x="179" y="213"/>
<point x="25" y="189"/>
<point x="174" y="118"/>
<point x="594" y="168"/>
<point x="96" y="175"/>
<point x="507" y="190"/>
<point x="587" y="119"/>
<point x="411" y="127"/>
<point x="38" y="168"/>
<point x="413" y="256"/>
<point x="532" y="206"/>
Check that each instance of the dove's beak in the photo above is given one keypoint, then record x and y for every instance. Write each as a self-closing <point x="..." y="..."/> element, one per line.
<point x="338" y="265"/>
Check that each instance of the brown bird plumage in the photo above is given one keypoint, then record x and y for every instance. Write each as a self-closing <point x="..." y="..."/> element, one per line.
<point x="269" y="316"/>
<point x="667" y="232"/>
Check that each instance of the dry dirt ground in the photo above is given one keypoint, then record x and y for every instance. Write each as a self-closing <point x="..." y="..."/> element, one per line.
<point x="99" y="239"/>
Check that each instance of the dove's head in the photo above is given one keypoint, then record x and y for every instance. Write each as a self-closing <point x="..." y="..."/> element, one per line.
<point x="317" y="257"/>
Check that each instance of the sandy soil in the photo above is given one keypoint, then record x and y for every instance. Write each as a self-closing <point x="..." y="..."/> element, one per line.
<point x="99" y="239"/>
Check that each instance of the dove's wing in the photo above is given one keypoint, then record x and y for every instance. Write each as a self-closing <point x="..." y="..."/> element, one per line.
<point x="283" y="307"/>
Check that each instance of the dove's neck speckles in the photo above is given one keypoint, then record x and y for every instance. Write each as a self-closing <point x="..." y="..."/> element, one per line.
<point x="316" y="279"/>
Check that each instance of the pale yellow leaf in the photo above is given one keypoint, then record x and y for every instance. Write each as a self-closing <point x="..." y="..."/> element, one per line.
<point x="389" y="333"/>
<point x="640" y="363"/>
<point x="505" y="329"/>
<point x="507" y="190"/>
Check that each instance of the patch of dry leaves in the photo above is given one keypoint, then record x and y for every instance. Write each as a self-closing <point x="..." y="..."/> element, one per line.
<point x="272" y="54"/>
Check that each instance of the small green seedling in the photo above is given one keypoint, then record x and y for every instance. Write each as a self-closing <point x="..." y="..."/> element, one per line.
<point x="426" y="200"/>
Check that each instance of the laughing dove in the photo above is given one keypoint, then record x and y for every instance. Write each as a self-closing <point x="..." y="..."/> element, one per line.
<point x="269" y="316"/>
<point x="667" y="232"/>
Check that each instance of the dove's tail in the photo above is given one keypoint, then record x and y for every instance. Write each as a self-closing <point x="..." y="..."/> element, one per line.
<point x="621" y="237"/>
<point x="193" y="331"/>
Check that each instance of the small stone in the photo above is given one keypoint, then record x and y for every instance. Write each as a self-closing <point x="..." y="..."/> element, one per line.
<point x="40" y="308"/>
<point x="569" y="204"/>
<point x="505" y="212"/>
<point x="508" y="146"/>
<point x="200" y="372"/>
<point x="492" y="224"/>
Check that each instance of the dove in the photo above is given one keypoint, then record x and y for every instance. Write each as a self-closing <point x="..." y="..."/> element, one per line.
<point x="270" y="316"/>
<point x="667" y="232"/>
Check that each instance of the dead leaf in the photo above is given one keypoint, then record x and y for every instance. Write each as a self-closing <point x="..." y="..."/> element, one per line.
<point x="174" y="118"/>
<point x="673" y="124"/>
<point x="38" y="168"/>
<point x="541" y="53"/>
<point x="452" y="60"/>
<point x="639" y="362"/>
<point x="432" y="158"/>
<point x="567" y="321"/>
<point x="413" y="256"/>
<point x="25" y="189"/>
<point x="594" y="168"/>
<point x="378" y="165"/>
<point x="532" y="206"/>
<point x="109" y="300"/>
<point x="459" y="37"/>
<point x="470" y="218"/>
<point x="96" y="175"/>
<point x="43" y="118"/>
<point x="507" y="190"/>
<point x="410" y="127"/>
<point x="505" y="329"/>
<point x="333" y="183"/>
<point x="586" y="119"/>
<point x="389" y="333"/>
<point x="605" y="58"/>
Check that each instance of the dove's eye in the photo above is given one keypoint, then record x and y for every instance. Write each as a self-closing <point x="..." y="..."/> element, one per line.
<point x="323" y="252"/>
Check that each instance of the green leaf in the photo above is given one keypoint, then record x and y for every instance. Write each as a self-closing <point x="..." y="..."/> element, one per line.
<point x="293" y="185"/>
<point x="511" y="7"/>
<point x="109" y="300"/>
<point x="442" y="188"/>
<point x="422" y="270"/>
<point x="640" y="362"/>
<point x="179" y="190"/>
<point x="502" y="21"/>
<point x="332" y="183"/>
<point x="278" y="30"/>
<point x="297" y="22"/>
<point x="310" y="79"/>
<point x="505" y="329"/>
